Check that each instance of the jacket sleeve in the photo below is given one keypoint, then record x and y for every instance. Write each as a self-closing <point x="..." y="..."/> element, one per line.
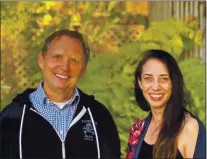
<point x="1" y="136"/>
<point x="9" y="131"/>
<point x="110" y="147"/>
<point x="3" y="118"/>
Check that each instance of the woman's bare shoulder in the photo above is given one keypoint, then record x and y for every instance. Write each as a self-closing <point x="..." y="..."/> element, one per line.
<point x="188" y="136"/>
<point x="190" y="125"/>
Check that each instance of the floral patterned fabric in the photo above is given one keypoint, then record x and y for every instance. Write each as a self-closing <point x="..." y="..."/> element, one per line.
<point x="134" y="138"/>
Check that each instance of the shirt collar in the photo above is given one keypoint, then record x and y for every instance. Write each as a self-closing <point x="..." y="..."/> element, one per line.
<point x="43" y="98"/>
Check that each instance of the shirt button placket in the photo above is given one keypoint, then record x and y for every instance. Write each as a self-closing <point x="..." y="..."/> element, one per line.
<point x="62" y="124"/>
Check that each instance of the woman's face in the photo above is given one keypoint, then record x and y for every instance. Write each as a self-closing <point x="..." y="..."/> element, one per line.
<point x="155" y="83"/>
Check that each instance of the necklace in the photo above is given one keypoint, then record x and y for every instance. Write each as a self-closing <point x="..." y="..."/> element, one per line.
<point x="152" y="133"/>
<point x="155" y="127"/>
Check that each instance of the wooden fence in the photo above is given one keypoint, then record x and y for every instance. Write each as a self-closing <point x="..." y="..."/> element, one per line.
<point x="162" y="10"/>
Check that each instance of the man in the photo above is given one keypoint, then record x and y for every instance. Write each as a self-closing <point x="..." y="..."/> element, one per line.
<point x="58" y="120"/>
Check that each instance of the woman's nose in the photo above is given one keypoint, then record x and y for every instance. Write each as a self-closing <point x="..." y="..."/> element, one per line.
<point x="155" y="85"/>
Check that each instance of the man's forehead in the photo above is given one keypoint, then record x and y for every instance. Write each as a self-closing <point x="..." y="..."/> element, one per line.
<point x="66" y="42"/>
<point x="64" y="38"/>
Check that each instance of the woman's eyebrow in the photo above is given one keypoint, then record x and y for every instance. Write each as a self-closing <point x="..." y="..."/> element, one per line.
<point x="147" y="74"/>
<point x="164" y="75"/>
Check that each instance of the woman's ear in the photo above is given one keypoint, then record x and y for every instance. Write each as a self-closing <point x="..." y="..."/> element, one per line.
<point x="40" y="60"/>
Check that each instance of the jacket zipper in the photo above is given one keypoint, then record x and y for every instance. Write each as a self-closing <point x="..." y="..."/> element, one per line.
<point x="63" y="150"/>
<point x="63" y="143"/>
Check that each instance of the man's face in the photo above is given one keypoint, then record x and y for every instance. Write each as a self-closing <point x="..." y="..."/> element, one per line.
<point x="63" y="64"/>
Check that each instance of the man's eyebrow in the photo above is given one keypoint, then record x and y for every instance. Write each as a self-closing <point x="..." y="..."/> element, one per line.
<point x="56" y="52"/>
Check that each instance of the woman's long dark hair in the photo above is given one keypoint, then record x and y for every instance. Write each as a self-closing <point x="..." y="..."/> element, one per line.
<point x="173" y="115"/>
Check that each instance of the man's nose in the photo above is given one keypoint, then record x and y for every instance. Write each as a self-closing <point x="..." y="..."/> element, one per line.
<point x="65" y="65"/>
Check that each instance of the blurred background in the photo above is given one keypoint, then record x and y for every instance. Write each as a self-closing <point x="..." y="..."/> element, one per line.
<point x="117" y="34"/>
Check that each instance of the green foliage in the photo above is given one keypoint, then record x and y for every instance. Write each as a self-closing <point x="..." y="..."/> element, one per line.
<point x="194" y="76"/>
<point x="175" y="36"/>
<point x="109" y="76"/>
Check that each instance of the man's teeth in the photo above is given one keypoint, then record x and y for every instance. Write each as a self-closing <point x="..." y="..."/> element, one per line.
<point x="156" y="95"/>
<point x="61" y="76"/>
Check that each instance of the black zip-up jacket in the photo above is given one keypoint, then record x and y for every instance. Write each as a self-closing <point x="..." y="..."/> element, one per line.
<point x="24" y="133"/>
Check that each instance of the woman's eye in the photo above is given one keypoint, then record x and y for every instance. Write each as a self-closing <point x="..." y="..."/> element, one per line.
<point x="147" y="79"/>
<point x="164" y="79"/>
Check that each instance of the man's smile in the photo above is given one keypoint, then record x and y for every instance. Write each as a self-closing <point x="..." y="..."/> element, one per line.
<point x="61" y="76"/>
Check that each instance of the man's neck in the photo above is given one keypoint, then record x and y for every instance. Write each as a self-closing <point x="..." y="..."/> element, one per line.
<point x="59" y="96"/>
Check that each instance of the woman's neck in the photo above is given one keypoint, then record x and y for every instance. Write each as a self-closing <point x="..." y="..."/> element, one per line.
<point x="157" y="116"/>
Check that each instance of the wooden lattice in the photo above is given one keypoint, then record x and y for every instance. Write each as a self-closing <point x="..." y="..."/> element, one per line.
<point x="16" y="74"/>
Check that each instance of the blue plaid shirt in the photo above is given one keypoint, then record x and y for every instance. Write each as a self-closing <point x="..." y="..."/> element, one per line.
<point x="60" y="119"/>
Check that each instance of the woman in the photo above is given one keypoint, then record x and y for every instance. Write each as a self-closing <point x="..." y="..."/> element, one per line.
<point x="170" y="131"/>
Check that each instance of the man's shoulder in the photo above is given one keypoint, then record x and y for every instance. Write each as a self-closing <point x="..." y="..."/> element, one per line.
<point x="14" y="109"/>
<point x="90" y="102"/>
<point x="11" y="111"/>
<point x="86" y="98"/>
<point x="93" y="103"/>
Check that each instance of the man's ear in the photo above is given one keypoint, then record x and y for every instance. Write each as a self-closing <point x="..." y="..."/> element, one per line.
<point x="83" y="71"/>
<point x="40" y="60"/>
<point x="140" y="83"/>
